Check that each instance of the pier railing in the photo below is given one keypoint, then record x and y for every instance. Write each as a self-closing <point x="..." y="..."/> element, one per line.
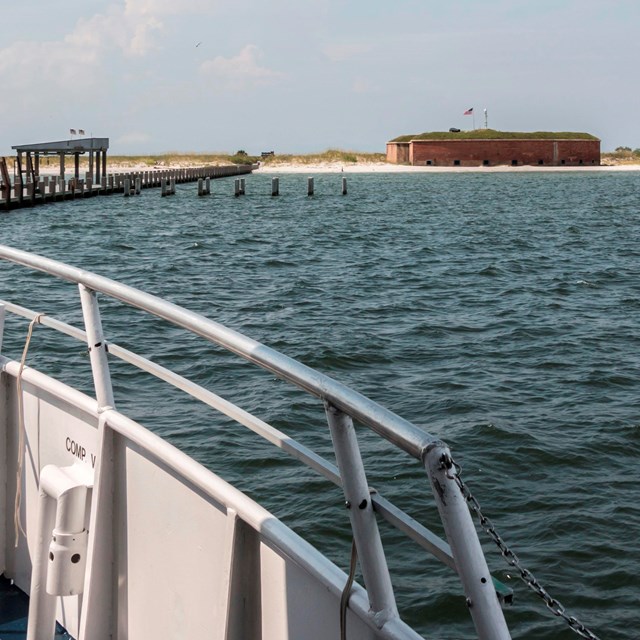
<point x="342" y="406"/>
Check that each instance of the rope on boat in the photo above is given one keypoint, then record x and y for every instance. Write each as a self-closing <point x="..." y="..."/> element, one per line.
<point x="21" y="433"/>
<point x="346" y="592"/>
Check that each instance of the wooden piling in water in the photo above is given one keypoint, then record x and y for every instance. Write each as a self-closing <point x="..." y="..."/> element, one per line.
<point x="275" y="186"/>
<point x="309" y="186"/>
<point x="344" y="186"/>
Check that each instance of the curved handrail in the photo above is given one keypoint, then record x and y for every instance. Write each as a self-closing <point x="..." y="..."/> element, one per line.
<point x="395" y="516"/>
<point x="385" y="423"/>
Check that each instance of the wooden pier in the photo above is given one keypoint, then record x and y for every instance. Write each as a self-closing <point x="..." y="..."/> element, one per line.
<point x="48" y="189"/>
<point x="29" y="188"/>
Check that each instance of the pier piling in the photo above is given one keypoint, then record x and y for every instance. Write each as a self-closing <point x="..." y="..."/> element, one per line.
<point x="275" y="186"/>
<point x="309" y="186"/>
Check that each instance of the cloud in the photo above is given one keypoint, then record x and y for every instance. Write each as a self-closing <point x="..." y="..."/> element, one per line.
<point x="34" y="71"/>
<point x="129" y="29"/>
<point x="242" y="71"/>
<point x="168" y="7"/>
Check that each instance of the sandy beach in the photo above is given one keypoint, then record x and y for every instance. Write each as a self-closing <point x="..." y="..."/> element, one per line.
<point x="384" y="167"/>
<point x="357" y="167"/>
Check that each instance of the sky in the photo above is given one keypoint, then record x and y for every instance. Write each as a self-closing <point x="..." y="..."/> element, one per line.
<point x="302" y="76"/>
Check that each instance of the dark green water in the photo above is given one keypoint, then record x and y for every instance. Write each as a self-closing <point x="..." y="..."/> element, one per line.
<point x="499" y="312"/>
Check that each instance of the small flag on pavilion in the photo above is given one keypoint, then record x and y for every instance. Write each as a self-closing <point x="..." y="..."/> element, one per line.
<point x="80" y="132"/>
<point x="468" y="112"/>
<point x="72" y="132"/>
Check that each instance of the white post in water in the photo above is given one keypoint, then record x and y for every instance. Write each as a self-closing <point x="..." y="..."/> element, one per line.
<point x="200" y="187"/>
<point x="207" y="185"/>
<point x="127" y="187"/>
<point x="344" y="186"/>
<point x="242" y="186"/>
<point x="309" y="186"/>
<point x="163" y="184"/>
<point x="138" y="185"/>
<point x="275" y="186"/>
<point x="236" y="187"/>
<point x="471" y="565"/>
<point x="362" y="516"/>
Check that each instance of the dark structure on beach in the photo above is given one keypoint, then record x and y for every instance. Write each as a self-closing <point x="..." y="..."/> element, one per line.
<point x="486" y="147"/>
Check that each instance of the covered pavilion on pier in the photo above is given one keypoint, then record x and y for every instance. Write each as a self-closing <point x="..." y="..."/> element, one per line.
<point x="95" y="147"/>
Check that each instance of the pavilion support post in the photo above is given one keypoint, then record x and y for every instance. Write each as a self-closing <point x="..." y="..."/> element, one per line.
<point x="37" y="165"/>
<point x="17" y="173"/>
<point x="91" y="162"/>
<point x="98" y="174"/>
<point x="29" y="167"/>
<point x="61" y="154"/>
<point x="104" y="162"/>
<point x="76" y="171"/>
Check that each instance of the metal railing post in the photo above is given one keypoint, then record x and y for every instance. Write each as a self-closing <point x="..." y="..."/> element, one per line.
<point x="363" y="519"/>
<point x="2" y="314"/>
<point x="97" y="348"/>
<point x="471" y="565"/>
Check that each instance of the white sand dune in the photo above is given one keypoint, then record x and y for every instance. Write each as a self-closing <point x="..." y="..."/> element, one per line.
<point x="383" y="167"/>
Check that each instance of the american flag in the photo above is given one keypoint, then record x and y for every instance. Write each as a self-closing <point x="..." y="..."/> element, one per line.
<point x="80" y="132"/>
<point x="72" y="132"/>
<point x="468" y="112"/>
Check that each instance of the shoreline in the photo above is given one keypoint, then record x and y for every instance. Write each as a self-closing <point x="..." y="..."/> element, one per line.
<point x="396" y="168"/>
<point x="368" y="167"/>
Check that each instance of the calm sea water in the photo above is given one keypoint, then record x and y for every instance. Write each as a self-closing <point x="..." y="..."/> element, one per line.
<point x="497" y="311"/>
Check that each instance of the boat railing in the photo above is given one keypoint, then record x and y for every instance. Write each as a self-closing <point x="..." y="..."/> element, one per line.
<point x="342" y="406"/>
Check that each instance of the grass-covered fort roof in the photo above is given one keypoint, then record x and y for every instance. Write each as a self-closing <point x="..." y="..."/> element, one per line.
<point x="492" y="134"/>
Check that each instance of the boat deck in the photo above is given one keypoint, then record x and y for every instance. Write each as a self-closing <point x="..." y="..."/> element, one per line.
<point x="14" y="608"/>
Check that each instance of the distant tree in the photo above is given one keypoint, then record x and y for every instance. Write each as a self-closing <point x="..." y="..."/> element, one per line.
<point x="623" y="149"/>
<point x="242" y="152"/>
<point x="636" y="152"/>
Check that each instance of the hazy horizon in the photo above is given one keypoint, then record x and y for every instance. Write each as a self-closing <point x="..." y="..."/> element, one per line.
<point x="204" y="76"/>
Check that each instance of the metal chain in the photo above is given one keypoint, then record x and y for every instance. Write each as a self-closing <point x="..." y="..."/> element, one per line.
<point x="527" y="577"/>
